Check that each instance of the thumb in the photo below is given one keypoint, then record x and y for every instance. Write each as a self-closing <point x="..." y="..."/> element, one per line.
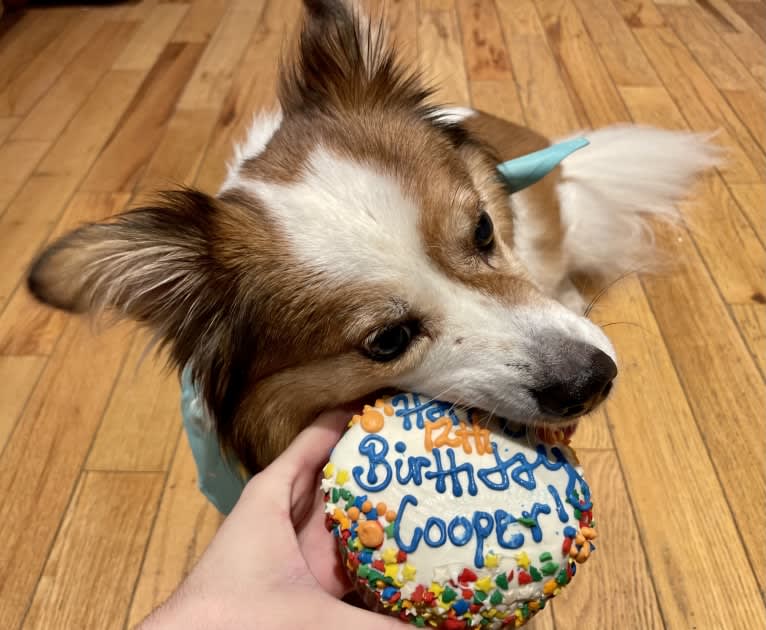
<point x="338" y="614"/>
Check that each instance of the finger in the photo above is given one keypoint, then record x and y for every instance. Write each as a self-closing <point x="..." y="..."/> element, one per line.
<point x="342" y="615"/>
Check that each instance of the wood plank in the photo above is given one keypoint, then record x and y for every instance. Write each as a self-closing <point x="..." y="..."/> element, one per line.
<point x="141" y="424"/>
<point x="185" y="524"/>
<point x="200" y="22"/>
<point x="55" y="109"/>
<point x="26" y="326"/>
<point x="752" y="14"/>
<point x="702" y="104"/>
<point x="35" y="210"/>
<point x="623" y="57"/>
<point x="253" y="89"/>
<point x="586" y="74"/>
<point x="18" y="158"/>
<point x="441" y="53"/>
<point x="678" y="501"/>
<point x="34" y="79"/>
<point x="7" y="125"/>
<point x="484" y="50"/>
<point x="149" y="41"/>
<point x="499" y="98"/>
<point x="213" y="75"/>
<point x="18" y="376"/>
<point x="42" y="460"/>
<point x="751" y="51"/>
<point x="619" y="552"/>
<point x="31" y="34"/>
<point x="750" y="105"/>
<point x="751" y="320"/>
<point x="402" y="19"/>
<point x="752" y="201"/>
<point x="639" y="13"/>
<point x="725" y="17"/>
<point x="723" y="67"/>
<point x="123" y="160"/>
<point x="88" y="579"/>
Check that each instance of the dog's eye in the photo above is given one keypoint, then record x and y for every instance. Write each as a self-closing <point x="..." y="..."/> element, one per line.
<point x="390" y="342"/>
<point x="484" y="235"/>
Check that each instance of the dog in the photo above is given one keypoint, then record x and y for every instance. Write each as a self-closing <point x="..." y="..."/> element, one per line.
<point x="363" y="241"/>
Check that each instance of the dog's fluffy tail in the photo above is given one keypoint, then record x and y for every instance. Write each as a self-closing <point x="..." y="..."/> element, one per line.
<point x="610" y="191"/>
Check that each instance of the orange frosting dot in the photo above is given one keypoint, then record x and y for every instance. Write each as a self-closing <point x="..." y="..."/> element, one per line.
<point x="370" y="534"/>
<point x="372" y="420"/>
<point x="353" y="513"/>
<point x="381" y="508"/>
<point x="366" y="506"/>
<point x="390" y="516"/>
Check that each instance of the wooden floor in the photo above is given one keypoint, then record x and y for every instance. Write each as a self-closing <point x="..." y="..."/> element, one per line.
<point x="99" y="514"/>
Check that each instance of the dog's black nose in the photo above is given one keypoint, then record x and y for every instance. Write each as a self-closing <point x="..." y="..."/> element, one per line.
<point x="580" y="385"/>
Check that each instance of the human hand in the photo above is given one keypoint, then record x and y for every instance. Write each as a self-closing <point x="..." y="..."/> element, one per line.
<point x="272" y="563"/>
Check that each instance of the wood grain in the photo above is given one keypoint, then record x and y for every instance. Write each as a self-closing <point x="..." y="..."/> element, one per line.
<point x="18" y="376"/>
<point x="150" y="39"/>
<point x="752" y="201"/>
<point x="751" y="319"/>
<point x="483" y="46"/>
<point x="17" y="161"/>
<point x="88" y="579"/>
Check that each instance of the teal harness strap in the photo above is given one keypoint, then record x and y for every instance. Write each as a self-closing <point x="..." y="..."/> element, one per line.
<point x="526" y="170"/>
<point x="219" y="478"/>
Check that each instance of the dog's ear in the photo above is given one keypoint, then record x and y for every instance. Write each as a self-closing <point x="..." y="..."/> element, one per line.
<point x="152" y="264"/>
<point x="345" y="61"/>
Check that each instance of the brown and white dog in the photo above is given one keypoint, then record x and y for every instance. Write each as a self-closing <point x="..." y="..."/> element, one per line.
<point x="363" y="241"/>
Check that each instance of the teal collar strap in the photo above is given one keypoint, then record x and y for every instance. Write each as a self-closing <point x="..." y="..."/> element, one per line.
<point x="222" y="480"/>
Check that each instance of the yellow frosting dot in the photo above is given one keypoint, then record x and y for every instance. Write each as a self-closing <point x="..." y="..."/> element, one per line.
<point x="490" y="561"/>
<point x="392" y="570"/>
<point x="436" y="589"/>
<point x="409" y="572"/>
<point x="328" y="470"/>
<point x="389" y="555"/>
<point x="522" y="559"/>
<point x="484" y="584"/>
<point x="341" y="477"/>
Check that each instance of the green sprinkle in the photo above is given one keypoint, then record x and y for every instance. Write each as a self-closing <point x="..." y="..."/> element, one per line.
<point x="484" y="621"/>
<point x="419" y="622"/>
<point x="542" y="603"/>
<point x="577" y="514"/>
<point x="524" y="611"/>
<point x="527" y="522"/>
<point x="536" y="576"/>
<point x="349" y="505"/>
<point x="549" y="568"/>
<point x="389" y="529"/>
<point x="448" y="595"/>
<point x="544" y="557"/>
<point x="479" y="597"/>
<point x="363" y="571"/>
<point x="497" y="598"/>
<point x="502" y="581"/>
<point x="346" y="494"/>
<point x="562" y="579"/>
<point x="374" y="575"/>
<point x="335" y="495"/>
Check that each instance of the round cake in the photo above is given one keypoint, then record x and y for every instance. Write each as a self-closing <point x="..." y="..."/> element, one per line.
<point x="449" y="520"/>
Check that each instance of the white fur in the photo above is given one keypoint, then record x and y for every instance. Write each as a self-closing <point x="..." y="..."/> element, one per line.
<point x="261" y="130"/>
<point x="627" y="175"/>
<point x="353" y="223"/>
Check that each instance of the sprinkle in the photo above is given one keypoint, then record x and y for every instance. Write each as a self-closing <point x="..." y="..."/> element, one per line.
<point x="549" y="568"/>
<point x="535" y="573"/>
<point x="365" y="557"/>
<point x="583" y="555"/>
<point x="409" y="572"/>
<point x="577" y="514"/>
<point x="467" y="593"/>
<point x="388" y="592"/>
<point x="345" y="494"/>
<point x="534" y="605"/>
<point x="390" y="516"/>
<point x="372" y="515"/>
<point x="570" y="531"/>
<point x="395" y="597"/>
<point x="573" y="552"/>
<point x="484" y="584"/>
<point x="381" y="508"/>
<point x="353" y="513"/>
<point x="341" y="477"/>
<point x="378" y="565"/>
<point x="366" y="506"/>
<point x="524" y="578"/>
<point x="371" y="534"/>
<point x="448" y="595"/>
<point x="549" y="587"/>
<point x="580" y="539"/>
<point x="460" y="607"/>
<point x="510" y="575"/>
<point x="545" y="557"/>
<point x="328" y="470"/>
<point x="562" y="577"/>
<point x="589" y="533"/>
<point x="566" y="546"/>
<point x="497" y="598"/>
<point x="389" y="530"/>
<point x="502" y="581"/>
<point x="436" y="589"/>
<point x="479" y="597"/>
<point x="522" y="559"/>
<point x="490" y="560"/>
<point x="389" y="555"/>
<point x="420" y="622"/>
<point x="417" y="594"/>
<point x="401" y="556"/>
<point x="392" y="571"/>
<point x="341" y="518"/>
<point x="526" y="522"/>
<point x="453" y="624"/>
<point x="466" y="576"/>
<point x="335" y="495"/>
<point x="359" y="501"/>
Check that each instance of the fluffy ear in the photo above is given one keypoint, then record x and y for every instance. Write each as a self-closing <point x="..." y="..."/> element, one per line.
<point x="344" y="61"/>
<point x="153" y="264"/>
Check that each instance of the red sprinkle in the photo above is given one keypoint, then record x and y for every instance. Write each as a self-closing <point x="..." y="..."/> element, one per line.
<point x="467" y="593"/>
<point x="524" y="578"/>
<point x="429" y="597"/>
<point x="401" y="557"/>
<point x="510" y="575"/>
<point x="417" y="594"/>
<point x="467" y="576"/>
<point x="378" y="565"/>
<point x="453" y="624"/>
<point x="475" y="608"/>
<point x="566" y="546"/>
<point x="395" y="597"/>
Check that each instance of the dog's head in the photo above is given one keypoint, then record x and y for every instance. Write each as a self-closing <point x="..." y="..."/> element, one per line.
<point x="362" y="242"/>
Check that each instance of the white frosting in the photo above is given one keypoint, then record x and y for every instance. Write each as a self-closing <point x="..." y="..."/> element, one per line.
<point x="363" y="474"/>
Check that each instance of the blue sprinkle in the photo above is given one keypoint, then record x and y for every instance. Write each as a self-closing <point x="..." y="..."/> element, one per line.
<point x="574" y="568"/>
<point x="570" y="532"/>
<point x="372" y="515"/>
<point x="400" y="447"/>
<point x="359" y="501"/>
<point x="460" y="607"/>
<point x="365" y="557"/>
<point x="388" y="592"/>
<point x="592" y="547"/>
